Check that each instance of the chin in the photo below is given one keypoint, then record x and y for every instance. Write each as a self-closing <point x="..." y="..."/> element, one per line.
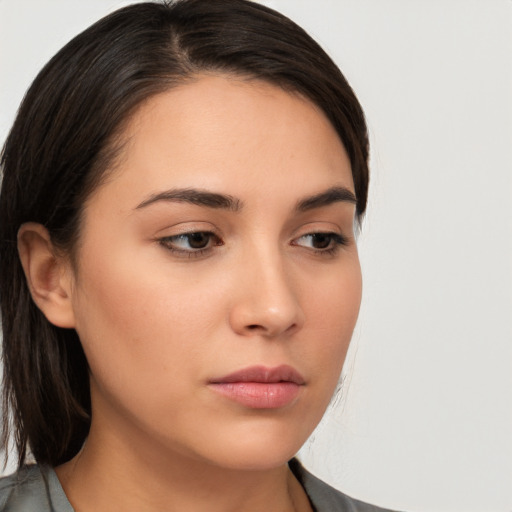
<point x="258" y="459"/>
<point x="260" y="447"/>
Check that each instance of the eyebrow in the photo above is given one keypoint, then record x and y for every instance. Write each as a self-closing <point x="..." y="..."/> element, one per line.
<point x="330" y="196"/>
<point x="227" y="202"/>
<point x="197" y="197"/>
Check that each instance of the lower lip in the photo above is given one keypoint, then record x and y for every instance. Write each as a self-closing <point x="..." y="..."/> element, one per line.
<point x="259" y="395"/>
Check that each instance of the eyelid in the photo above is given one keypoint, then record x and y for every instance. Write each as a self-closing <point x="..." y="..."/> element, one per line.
<point x="321" y="226"/>
<point x="338" y="238"/>
<point x="183" y="228"/>
<point x="166" y="243"/>
<point x="164" y="238"/>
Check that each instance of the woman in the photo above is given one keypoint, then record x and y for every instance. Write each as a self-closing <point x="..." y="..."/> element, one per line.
<point x="179" y="273"/>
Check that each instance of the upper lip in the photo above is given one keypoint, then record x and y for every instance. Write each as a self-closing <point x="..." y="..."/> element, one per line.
<point x="283" y="373"/>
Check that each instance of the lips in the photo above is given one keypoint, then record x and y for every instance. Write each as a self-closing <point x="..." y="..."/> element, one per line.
<point x="259" y="387"/>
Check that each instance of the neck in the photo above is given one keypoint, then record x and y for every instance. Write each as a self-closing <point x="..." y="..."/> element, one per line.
<point x="109" y="474"/>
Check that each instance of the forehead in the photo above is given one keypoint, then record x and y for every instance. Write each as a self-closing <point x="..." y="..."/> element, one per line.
<point x="220" y="131"/>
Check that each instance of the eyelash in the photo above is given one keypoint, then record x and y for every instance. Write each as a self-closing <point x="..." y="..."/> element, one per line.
<point x="167" y="242"/>
<point x="336" y="241"/>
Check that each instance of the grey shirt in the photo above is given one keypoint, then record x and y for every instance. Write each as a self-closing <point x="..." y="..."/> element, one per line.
<point x="37" y="489"/>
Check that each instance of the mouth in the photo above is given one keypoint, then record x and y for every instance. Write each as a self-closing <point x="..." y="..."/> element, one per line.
<point x="259" y="387"/>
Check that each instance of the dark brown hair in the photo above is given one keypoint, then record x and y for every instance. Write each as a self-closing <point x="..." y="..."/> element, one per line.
<point x="64" y="140"/>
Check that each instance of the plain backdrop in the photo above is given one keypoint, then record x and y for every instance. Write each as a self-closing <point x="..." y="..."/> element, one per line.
<point x="424" y="419"/>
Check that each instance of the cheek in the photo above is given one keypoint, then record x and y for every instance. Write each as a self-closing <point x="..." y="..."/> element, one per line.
<point x="136" y="318"/>
<point x="333" y="298"/>
<point x="332" y="309"/>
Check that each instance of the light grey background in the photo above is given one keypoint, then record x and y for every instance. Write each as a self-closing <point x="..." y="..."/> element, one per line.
<point x="425" y="423"/>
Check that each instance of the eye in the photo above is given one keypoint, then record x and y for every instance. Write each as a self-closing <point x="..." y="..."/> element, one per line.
<point x="321" y="242"/>
<point x="191" y="244"/>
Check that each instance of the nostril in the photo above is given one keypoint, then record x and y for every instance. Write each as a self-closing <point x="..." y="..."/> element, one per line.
<point x="266" y="331"/>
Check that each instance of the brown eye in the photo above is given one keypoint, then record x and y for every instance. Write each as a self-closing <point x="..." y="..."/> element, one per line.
<point x="191" y="243"/>
<point x="199" y="240"/>
<point x="321" y="242"/>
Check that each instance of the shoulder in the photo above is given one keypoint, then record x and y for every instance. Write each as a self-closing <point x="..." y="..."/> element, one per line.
<point x="325" y="498"/>
<point x="32" y="489"/>
<point x="23" y="490"/>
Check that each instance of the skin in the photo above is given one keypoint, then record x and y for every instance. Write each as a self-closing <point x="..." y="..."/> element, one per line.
<point x="159" y="320"/>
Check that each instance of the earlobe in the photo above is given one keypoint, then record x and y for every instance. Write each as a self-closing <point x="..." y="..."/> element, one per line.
<point x="47" y="274"/>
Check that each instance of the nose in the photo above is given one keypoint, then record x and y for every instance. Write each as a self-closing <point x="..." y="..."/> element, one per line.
<point x="265" y="300"/>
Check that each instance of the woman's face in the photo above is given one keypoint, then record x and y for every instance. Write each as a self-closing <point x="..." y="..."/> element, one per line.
<point x="218" y="279"/>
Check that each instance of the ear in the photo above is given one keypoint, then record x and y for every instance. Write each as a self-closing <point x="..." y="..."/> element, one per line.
<point x="48" y="275"/>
